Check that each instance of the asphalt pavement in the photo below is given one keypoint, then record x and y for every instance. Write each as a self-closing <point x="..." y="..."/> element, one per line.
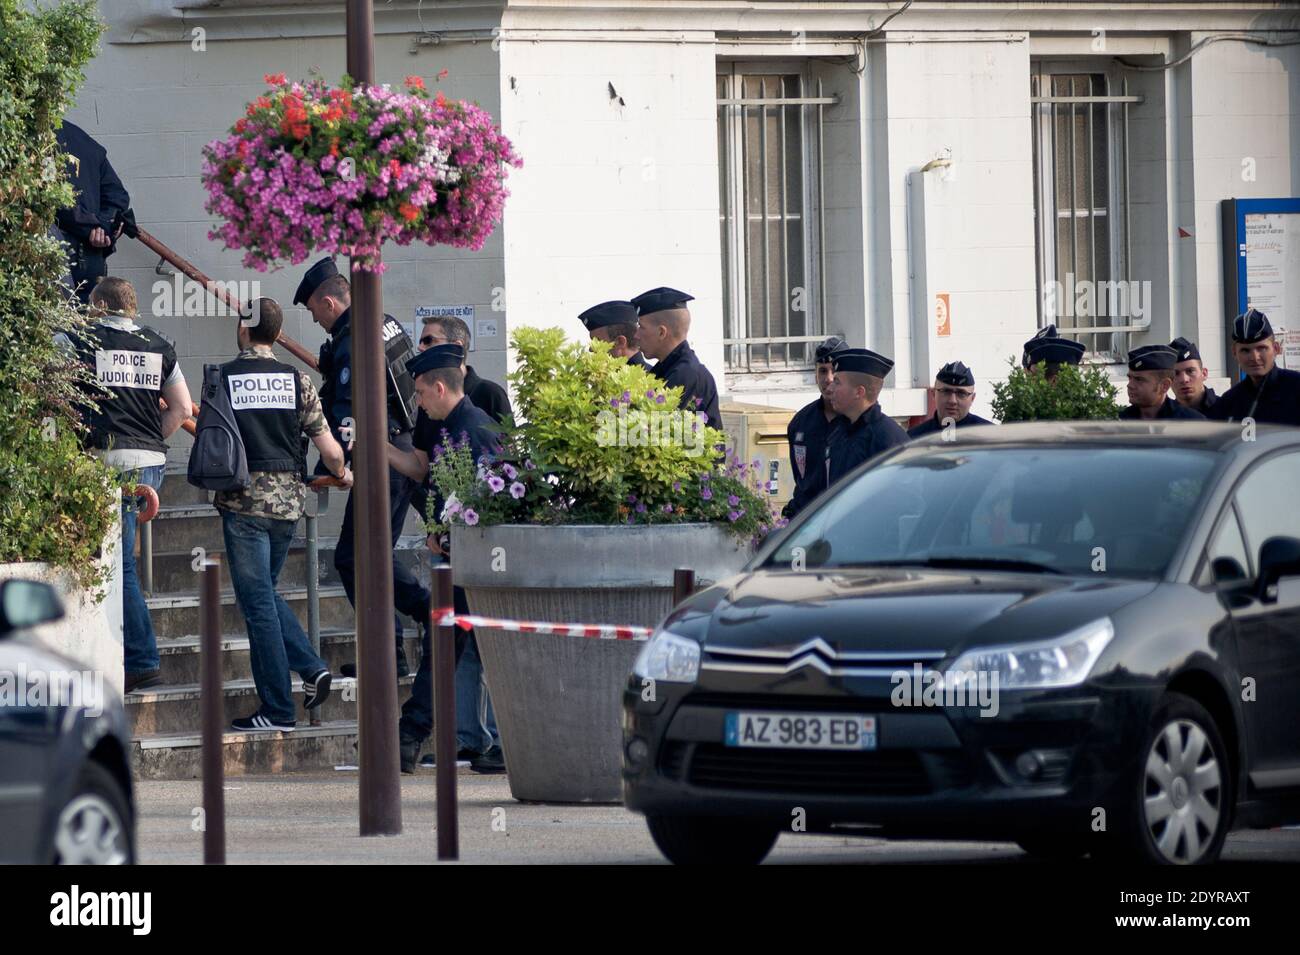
<point x="312" y="819"/>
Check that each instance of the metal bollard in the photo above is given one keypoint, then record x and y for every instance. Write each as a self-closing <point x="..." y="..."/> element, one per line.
<point x="444" y="716"/>
<point x="683" y="584"/>
<point x="212" y="715"/>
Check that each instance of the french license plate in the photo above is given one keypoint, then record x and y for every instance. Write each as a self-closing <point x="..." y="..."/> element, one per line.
<point x="841" y="731"/>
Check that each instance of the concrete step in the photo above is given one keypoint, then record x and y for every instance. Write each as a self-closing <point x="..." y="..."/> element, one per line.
<point x="173" y="572"/>
<point x="305" y="749"/>
<point x="177" y="490"/>
<point x="175" y="708"/>
<point x="178" y="755"/>
<point x="177" y="615"/>
<point x="181" y="527"/>
<point x="180" y="657"/>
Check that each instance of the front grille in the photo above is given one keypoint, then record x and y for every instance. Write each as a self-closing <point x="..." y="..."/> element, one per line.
<point x="789" y="703"/>
<point x="672" y="759"/>
<point x="741" y="769"/>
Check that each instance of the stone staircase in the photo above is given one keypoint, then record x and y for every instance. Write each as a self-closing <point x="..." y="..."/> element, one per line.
<point x="165" y="719"/>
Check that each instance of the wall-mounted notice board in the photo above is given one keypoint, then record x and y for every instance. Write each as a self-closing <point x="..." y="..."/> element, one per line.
<point x="1261" y="269"/>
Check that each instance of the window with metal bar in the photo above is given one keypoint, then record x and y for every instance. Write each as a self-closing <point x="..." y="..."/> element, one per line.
<point x="1081" y="205"/>
<point x="769" y="149"/>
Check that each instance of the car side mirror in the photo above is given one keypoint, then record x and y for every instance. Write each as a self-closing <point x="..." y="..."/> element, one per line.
<point x="1279" y="557"/>
<point x="26" y="603"/>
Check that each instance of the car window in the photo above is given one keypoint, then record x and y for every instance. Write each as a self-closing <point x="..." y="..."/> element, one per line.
<point x="1266" y="501"/>
<point x="1227" y="542"/>
<point x="1075" y="510"/>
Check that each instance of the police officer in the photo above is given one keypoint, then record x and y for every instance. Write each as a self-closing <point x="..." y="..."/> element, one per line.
<point x="663" y="322"/>
<point x="1268" y="394"/>
<point x="90" y="226"/>
<point x="1150" y="376"/>
<point x="1048" y="346"/>
<point x="808" y="430"/>
<point x="615" y="322"/>
<point x="277" y="410"/>
<point x="328" y="296"/>
<point x="439" y="389"/>
<point x="134" y="366"/>
<point x="861" y="430"/>
<point x="954" y="392"/>
<point x="1189" y="378"/>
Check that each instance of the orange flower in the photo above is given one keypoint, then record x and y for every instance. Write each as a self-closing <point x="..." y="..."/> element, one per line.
<point x="409" y="212"/>
<point x="442" y="74"/>
<point x="241" y="125"/>
<point x="415" y="82"/>
<point x="440" y="100"/>
<point x="334" y="147"/>
<point x="260" y="103"/>
<point x="274" y="79"/>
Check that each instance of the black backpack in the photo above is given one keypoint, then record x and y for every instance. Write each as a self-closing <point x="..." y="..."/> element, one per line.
<point x="217" y="460"/>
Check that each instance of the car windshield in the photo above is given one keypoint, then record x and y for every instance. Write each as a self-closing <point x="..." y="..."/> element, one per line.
<point x="1066" y="510"/>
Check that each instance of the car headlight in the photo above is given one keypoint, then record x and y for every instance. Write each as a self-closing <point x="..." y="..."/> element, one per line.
<point x="669" y="658"/>
<point x="1062" y="661"/>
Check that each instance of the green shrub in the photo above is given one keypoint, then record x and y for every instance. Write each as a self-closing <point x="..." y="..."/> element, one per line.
<point x="601" y="442"/>
<point x="55" y="500"/>
<point x="1075" y="395"/>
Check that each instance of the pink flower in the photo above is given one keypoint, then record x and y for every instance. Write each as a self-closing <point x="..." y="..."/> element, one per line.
<point x="471" y="516"/>
<point x="517" y="490"/>
<point x="510" y="472"/>
<point x="495" y="483"/>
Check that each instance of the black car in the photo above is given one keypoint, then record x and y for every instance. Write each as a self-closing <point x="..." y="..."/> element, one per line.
<point x="65" y="779"/>
<point x="1083" y="637"/>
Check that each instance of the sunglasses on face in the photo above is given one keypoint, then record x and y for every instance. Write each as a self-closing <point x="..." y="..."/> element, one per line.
<point x="428" y="341"/>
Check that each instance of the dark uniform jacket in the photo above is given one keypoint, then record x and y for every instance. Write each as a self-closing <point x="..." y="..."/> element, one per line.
<point x="1208" y="400"/>
<point x="680" y="368"/>
<point x="100" y="200"/>
<point x="1276" y="401"/>
<point x="336" y="380"/>
<point x="638" y="361"/>
<point x="807" y="433"/>
<point x="851" y="443"/>
<point x="934" y="425"/>
<point x="465" y="421"/>
<point x="1170" y="409"/>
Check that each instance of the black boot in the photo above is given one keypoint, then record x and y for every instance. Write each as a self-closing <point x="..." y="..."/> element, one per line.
<point x="409" y="747"/>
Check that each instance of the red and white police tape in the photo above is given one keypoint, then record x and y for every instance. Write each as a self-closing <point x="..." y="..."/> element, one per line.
<point x="446" y="617"/>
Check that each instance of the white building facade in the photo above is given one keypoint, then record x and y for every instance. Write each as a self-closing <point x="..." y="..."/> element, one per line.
<point x="933" y="180"/>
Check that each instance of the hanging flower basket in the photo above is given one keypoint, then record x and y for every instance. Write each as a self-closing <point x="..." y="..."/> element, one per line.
<point x="316" y="168"/>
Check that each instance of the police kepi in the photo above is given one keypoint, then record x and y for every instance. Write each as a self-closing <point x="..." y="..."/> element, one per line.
<point x="862" y="429"/>
<point x="954" y="393"/>
<point x="1150" y="376"/>
<point x="663" y="322"/>
<point x="615" y="322"/>
<point x="1048" y="346"/>
<point x="808" y="430"/>
<point x="1268" y="394"/>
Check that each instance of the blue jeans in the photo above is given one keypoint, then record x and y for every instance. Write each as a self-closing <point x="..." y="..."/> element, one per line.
<point x="255" y="551"/>
<point x="140" y="647"/>
<point x="476" y="724"/>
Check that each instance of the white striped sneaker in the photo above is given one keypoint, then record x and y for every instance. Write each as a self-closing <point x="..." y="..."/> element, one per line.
<point x="316" y="689"/>
<point x="259" y="723"/>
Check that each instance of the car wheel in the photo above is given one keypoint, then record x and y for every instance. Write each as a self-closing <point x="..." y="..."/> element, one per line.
<point x="701" y="840"/>
<point x="1055" y="845"/>
<point x="1180" y="805"/>
<point x="95" y="825"/>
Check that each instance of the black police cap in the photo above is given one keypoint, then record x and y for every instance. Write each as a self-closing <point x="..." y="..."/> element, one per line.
<point x="1062" y="351"/>
<point x="863" y="361"/>
<point x="955" y="373"/>
<point x="660" y="299"/>
<point x="1251" y="326"/>
<point x="1152" y="358"/>
<point x="1186" y="349"/>
<point x="311" y="281"/>
<point x="448" y="355"/>
<point x="608" y="313"/>
<point x="828" y="349"/>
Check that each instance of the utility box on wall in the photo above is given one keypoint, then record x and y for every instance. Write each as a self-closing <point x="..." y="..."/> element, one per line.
<point x="758" y="432"/>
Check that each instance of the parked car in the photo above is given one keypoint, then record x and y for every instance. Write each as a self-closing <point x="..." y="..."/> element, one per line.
<point x="1129" y="593"/>
<point x="65" y="779"/>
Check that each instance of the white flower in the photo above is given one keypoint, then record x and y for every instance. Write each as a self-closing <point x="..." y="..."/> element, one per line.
<point x="452" y="506"/>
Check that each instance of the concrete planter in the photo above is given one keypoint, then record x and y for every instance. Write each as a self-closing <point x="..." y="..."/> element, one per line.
<point x="557" y="699"/>
<point x="91" y="630"/>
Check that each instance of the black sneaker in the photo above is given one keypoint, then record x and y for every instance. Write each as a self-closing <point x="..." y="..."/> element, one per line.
<point x="141" y="680"/>
<point x="462" y="756"/>
<point x="348" y="670"/>
<point x="402" y="668"/>
<point x="259" y="723"/>
<point x="409" y="752"/>
<point x="316" y="689"/>
<point x="491" y="763"/>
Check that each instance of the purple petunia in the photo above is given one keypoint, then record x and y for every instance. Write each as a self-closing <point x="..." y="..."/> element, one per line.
<point x="677" y="485"/>
<point x="517" y="490"/>
<point x="510" y="472"/>
<point x="733" y="500"/>
<point x="660" y="399"/>
<point x="706" y="494"/>
<point x="734" y="516"/>
<point x="471" y="516"/>
<point x="495" y="483"/>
